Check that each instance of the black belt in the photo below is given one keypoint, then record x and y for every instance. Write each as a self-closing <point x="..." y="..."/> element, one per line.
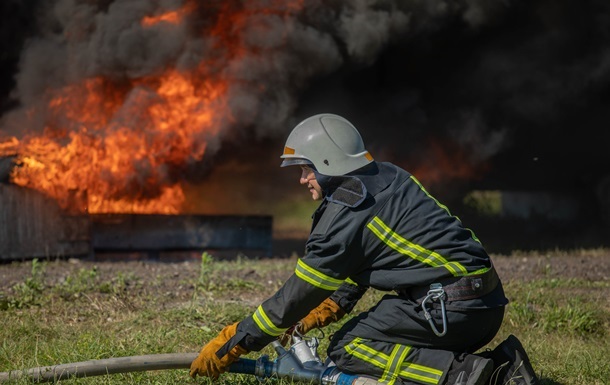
<point x="458" y="288"/>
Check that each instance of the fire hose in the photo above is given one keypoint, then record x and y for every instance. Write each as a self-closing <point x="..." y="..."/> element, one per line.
<point x="299" y="363"/>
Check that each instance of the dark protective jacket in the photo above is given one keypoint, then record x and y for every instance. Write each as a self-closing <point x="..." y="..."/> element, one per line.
<point x="379" y="228"/>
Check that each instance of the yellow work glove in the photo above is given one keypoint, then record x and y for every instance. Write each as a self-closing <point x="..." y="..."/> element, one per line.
<point x="208" y="364"/>
<point x="326" y="313"/>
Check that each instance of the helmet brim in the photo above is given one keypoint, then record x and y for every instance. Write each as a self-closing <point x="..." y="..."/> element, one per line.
<point x="295" y="162"/>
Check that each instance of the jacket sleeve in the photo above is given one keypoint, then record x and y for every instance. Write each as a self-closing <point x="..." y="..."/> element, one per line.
<point x="348" y="295"/>
<point x="321" y="272"/>
<point x="293" y="301"/>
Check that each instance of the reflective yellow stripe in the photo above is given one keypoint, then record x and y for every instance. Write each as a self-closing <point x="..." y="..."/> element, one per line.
<point x="412" y="250"/>
<point x="439" y="204"/>
<point x="265" y="324"/>
<point x="421" y="373"/>
<point x="316" y="278"/>
<point x="357" y="349"/>
<point x="480" y="271"/>
<point x="414" y="179"/>
<point x="348" y="280"/>
<point x="394" y="365"/>
<point x="392" y="370"/>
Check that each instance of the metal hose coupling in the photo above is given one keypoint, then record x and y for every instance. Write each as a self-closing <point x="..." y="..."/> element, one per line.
<point x="309" y="367"/>
<point x="333" y="376"/>
<point x="299" y="363"/>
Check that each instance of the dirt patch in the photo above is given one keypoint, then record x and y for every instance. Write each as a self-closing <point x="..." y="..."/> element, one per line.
<point x="591" y="265"/>
<point x="176" y="279"/>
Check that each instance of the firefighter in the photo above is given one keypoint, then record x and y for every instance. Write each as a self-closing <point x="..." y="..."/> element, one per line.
<point x="376" y="227"/>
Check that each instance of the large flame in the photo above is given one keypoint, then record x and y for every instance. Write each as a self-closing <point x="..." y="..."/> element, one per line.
<point x="121" y="146"/>
<point x="151" y="128"/>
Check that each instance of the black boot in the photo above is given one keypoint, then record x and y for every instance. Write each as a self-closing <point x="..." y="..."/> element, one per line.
<point x="470" y="369"/>
<point x="512" y="366"/>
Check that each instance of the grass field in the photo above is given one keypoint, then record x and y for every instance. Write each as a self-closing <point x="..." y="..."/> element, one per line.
<point x="61" y="312"/>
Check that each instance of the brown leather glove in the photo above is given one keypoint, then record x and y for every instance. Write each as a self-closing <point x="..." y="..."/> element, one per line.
<point x="286" y="337"/>
<point x="208" y="364"/>
<point x="325" y="314"/>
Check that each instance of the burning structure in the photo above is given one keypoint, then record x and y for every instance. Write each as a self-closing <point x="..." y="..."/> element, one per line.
<point x="138" y="107"/>
<point x="34" y="226"/>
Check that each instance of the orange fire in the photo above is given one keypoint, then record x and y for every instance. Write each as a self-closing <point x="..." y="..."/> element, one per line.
<point x="172" y="17"/>
<point x="445" y="160"/>
<point x="123" y="169"/>
<point x="121" y="146"/>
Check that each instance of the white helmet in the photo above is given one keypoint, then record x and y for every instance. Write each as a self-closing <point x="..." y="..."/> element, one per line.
<point x="329" y="142"/>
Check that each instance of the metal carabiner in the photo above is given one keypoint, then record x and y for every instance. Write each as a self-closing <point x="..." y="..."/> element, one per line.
<point x="436" y="292"/>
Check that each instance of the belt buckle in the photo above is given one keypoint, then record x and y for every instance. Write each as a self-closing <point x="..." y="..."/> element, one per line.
<point x="436" y="291"/>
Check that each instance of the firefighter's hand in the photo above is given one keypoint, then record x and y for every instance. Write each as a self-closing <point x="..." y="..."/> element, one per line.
<point x="208" y="364"/>
<point x="325" y="314"/>
<point x="286" y="336"/>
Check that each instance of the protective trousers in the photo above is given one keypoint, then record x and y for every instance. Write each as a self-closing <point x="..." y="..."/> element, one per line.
<point x="394" y="342"/>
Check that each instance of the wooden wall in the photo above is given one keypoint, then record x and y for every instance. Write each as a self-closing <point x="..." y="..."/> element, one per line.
<point x="33" y="226"/>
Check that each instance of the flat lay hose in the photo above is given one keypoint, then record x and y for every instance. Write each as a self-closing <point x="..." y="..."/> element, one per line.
<point x="289" y="365"/>
<point x="113" y="366"/>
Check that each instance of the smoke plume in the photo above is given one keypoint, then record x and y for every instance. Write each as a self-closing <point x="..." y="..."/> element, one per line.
<point x="419" y="78"/>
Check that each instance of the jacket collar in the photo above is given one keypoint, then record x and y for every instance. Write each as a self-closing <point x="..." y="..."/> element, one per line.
<point x="352" y="189"/>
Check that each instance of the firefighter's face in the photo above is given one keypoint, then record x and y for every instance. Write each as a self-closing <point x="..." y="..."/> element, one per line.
<point x="309" y="178"/>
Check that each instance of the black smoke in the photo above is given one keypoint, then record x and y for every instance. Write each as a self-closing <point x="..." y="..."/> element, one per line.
<point x="519" y="88"/>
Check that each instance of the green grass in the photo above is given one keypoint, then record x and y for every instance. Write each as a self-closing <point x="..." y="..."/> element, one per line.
<point x="564" y="325"/>
<point x="83" y="315"/>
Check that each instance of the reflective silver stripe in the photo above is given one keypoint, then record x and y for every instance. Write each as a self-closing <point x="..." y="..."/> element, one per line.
<point x="413" y="250"/>
<point x="421" y="373"/>
<point x="357" y="349"/>
<point x="264" y="323"/>
<point x="392" y="370"/>
<point x="439" y="204"/>
<point x="394" y="365"/>
<point x="316" y="278"/>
